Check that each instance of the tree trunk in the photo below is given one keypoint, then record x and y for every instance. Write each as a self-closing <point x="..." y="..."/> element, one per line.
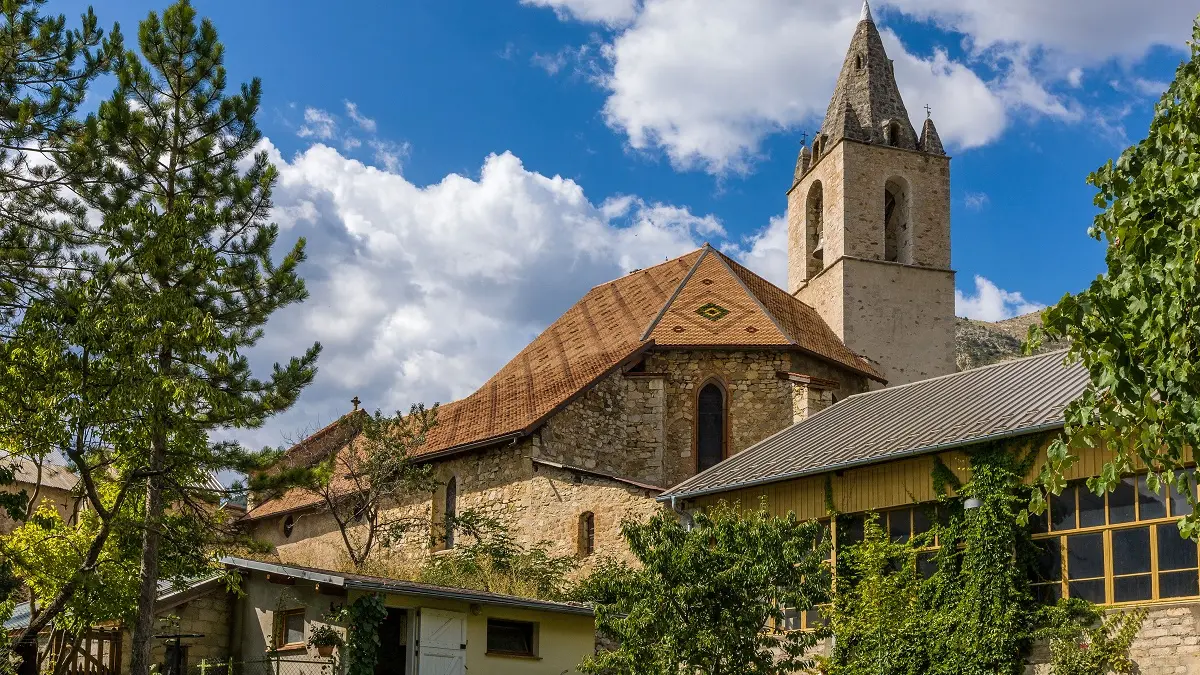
<point x="143" y="627"/>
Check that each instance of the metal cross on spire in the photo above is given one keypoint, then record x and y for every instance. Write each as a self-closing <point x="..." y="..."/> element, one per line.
<point x="928" y="112"/>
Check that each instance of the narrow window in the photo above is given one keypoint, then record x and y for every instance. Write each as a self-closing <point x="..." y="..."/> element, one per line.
<point x="897" y="232"/>
<point x="893" y="134"/>
<point x="710" y="427"/>
<point x="587" y="533"/>
<point x="858" y="62"/>
<point x="289" y="524"/>
<point x="814" y="229"/>
<point x="451" y="509"/>
<point x="514" y="638"/>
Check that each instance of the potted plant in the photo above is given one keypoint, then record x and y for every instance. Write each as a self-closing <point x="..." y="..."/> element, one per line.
<point x="325" y="638"/>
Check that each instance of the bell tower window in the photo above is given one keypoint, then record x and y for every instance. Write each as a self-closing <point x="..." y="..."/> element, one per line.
<point x="893" y="134"/>
<point x="815" y="229"/>
<point x="710" y="426"/>
<point x="897" y="228"/>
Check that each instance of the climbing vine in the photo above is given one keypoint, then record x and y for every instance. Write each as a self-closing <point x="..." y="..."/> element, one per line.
<point x="974" y="614"/>
<point x="363" y="618"/>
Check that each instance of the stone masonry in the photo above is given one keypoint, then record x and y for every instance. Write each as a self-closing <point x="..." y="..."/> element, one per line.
<point x="604" y="452"/>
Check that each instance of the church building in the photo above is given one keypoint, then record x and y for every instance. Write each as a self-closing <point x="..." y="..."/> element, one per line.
<point x="659" y="375"/>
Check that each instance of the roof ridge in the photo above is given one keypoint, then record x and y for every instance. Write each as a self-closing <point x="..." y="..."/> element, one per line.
<point x="675" y="294"/>
<point x="989" y="366"/>
<point x="757" y="300"/>
<point x="647" y="269"/>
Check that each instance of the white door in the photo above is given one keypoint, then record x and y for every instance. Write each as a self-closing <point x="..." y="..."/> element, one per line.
<point x="443" y="643"/>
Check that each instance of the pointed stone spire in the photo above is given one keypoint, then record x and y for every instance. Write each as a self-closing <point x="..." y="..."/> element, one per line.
<point x="867" y="87"/>
<point x="930" y="141"/>
<point x="802" y="162"/>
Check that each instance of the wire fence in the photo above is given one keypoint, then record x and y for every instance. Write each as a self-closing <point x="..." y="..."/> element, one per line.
<point x="265" y="666"/>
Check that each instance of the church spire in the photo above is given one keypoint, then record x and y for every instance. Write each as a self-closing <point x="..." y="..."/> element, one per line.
<point x="867" y="88"/>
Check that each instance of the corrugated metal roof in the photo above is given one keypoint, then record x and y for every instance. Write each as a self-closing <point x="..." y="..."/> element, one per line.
<point x="166" y="588"/>
<point x="1013" y="397"/>
<point x="53" y="475"/>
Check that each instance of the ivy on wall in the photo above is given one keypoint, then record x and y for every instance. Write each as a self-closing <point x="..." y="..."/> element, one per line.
<point x="362" y="619"/>
<point x="975" y="614"/>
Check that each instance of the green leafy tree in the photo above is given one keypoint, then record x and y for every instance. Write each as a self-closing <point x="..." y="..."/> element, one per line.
<point x="361" y="484"/>
<point x="1085" y="641"/>
<point x="1137" y="328"/>
<point x="188" y="261"/>
<point x="706" y="598"/>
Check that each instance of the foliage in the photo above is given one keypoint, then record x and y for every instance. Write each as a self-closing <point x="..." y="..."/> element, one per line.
<point x="974" y="615"/>
<point x="878" y="618"/>
<point x="495" y="562"/>
<point x="363" y="618"/>
<point x="703" y="599"/>
<point x="358" y="483"/>
<point x="1085" y="642"/>
<point x="45" y="71"/>
<point x="325" y="636"/>
<point x="171" y="167"/>
<point x="1136" y="329"/>
<point x="46" y="552"/>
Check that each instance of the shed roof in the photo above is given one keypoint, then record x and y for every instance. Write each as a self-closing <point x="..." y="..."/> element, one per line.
<point x="1010" y="398"/>
<point x="399" y="586"/>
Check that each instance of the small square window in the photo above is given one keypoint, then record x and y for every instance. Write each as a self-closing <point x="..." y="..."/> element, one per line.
<point x="515" y="638"/>
<point x="289" y="629"/>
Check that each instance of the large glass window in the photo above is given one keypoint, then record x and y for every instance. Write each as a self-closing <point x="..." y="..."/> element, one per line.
<point x="1123" y="546"/>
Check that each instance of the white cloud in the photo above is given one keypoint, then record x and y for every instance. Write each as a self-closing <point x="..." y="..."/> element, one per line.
<point x="975" y="201"/>
<point x="365" y="123"/>
<point x="991" y="303"/>
<point x="608" y="12"/>
<point x="422" y="292"/>
<point x="766" y="252"/>
<point x="1080" y="33"/>
<point x="318" y="124"/>
<point x="705" y="81"/>
<point x="390" y="155"/>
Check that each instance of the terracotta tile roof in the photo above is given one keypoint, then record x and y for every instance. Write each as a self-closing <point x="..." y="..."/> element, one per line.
<point x="702" y="299"/>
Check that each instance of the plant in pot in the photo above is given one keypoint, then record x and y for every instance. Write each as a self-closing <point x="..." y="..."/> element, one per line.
<point x="325" y="639"/>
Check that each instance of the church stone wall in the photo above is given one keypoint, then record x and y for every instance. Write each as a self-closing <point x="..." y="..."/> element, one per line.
<point x="902" y="317"/>
<point x="635" y="426"/>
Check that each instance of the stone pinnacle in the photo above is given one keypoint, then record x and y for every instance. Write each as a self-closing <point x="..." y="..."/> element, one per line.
<point x="866" y="12"/>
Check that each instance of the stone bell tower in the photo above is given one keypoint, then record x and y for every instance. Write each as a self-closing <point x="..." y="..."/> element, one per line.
<point x="869" y="222"/>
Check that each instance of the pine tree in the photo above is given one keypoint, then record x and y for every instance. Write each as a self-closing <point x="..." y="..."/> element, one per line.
<point x="185" y="201"/>
<point x="45" y="71"/>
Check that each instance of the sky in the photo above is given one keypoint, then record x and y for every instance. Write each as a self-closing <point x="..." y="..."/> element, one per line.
<point x="464" y="171"/>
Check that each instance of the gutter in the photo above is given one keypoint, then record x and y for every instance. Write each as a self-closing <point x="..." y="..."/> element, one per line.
<point x="924" y="450"/>
<point x="402" y="587"/>
<point x="468" y="596"/>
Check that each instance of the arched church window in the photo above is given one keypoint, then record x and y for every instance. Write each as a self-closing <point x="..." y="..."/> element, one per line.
<point x="710" y="426"/>
<point x="815" y="229"/>
<point x="897" y="226"/>
<point x="451" y="509"/>
<point x="587" y="533"/>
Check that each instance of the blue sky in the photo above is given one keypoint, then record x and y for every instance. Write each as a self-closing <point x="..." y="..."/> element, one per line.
<point x="465" y="170"/>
